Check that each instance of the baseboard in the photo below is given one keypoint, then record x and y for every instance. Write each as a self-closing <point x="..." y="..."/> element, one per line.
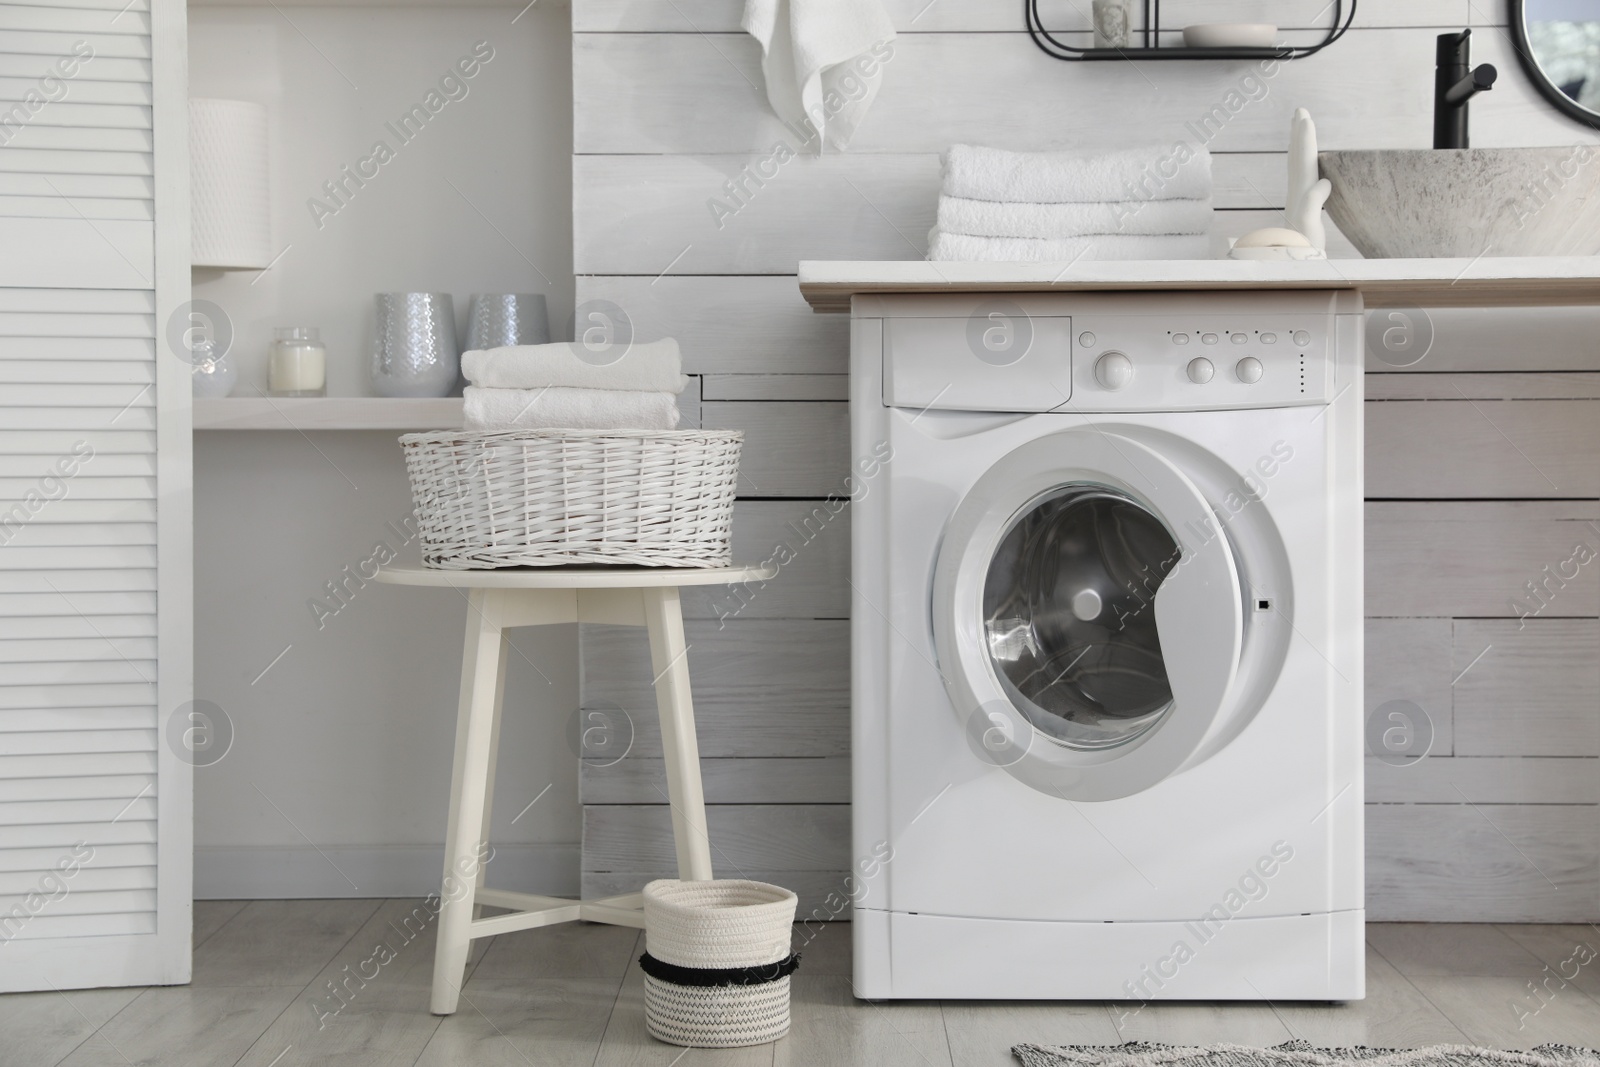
<point x="289" y="873"/>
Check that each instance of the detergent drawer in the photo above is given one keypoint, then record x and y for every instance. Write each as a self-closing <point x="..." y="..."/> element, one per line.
<point x="998" y="358"/>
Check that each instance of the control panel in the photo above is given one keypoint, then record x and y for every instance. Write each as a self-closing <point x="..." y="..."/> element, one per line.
<point x="1117" y="351"/>
<point x="1238" y="359"/>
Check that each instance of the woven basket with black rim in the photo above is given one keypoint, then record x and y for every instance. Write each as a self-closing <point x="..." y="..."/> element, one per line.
<point x="717" y="961"/>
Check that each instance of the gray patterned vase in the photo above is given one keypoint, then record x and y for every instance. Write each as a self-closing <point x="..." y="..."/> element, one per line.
<point x="501" y="320"/>
<point x="414" y="350"/>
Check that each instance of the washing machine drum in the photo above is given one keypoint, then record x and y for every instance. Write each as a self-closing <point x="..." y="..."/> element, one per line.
<point x="1067" y="610"/>
<point x="1088" y="615"/>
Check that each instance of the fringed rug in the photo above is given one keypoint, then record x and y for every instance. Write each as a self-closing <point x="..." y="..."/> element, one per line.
<point x="1298" y="1054"/>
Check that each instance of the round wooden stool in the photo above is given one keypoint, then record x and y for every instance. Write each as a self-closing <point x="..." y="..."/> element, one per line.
<point x="499" y="600"/>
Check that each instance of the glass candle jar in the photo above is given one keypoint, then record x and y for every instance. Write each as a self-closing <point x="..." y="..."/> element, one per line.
<point x="211" y="374"/>
<point x="297" y="362"/>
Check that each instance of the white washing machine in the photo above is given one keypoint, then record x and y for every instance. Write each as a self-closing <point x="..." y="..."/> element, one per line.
<point x="1107" y="640"/>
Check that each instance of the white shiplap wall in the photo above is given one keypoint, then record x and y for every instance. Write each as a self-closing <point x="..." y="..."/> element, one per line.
<point x="95" y="579"/>
<point x="1481" y="474"/>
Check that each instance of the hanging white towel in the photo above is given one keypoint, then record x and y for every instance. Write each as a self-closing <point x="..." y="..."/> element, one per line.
<point x="652" y="366"/>
<point x="822" y="60"/>
<point x="1117" y="246"/>
<point x="1154" y="172"/>
<point x="988" y="218"/>
<point x="568" y="409"/>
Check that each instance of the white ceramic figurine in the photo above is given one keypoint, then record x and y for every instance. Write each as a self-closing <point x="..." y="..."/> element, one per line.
<point x="1305" y="237"/>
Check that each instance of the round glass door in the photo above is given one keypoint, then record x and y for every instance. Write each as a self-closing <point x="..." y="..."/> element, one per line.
<point x="1069" y="615"/>
<point x="1085" y="594"/>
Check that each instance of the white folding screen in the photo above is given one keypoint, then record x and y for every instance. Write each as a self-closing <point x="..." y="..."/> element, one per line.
<point x="95" y="495"/>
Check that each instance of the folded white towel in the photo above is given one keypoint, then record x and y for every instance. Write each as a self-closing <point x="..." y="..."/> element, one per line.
<point x="569" y="409"/>
<point x="1116" y="246"/>
<point x="1156" y="172"/>
<point x="822" y="60"/>
<point x="989" y="218"/>
<point x="652" y="367"/>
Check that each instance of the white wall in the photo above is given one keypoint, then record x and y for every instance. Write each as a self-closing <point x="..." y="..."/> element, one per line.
<point x="352" y="726"/>
<point x="338" y="779"/>
<point x="1472" y="497"/>
<point x="478" y="202"/>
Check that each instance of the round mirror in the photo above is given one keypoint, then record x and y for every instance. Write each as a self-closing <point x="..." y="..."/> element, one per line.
<point x="1558" y="42"/>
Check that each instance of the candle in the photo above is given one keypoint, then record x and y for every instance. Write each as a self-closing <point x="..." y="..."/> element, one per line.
<point x="297" y="363"/>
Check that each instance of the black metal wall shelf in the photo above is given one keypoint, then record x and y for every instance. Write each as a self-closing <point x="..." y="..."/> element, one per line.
<point x="1152" y="48"/>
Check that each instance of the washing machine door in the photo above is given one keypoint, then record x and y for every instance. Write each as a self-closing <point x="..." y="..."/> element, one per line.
<point x="1088" y="614"/>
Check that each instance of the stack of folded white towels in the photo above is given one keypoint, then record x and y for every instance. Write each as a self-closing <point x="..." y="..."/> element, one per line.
<point x="567" y="386"/>
<point x="1135" y="203"/>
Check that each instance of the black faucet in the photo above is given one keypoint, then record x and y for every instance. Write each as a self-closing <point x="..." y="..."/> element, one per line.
<point x="1453" y="85"/>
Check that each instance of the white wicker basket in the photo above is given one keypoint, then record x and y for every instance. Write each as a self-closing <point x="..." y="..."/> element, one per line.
<point x="726" y="944"/>
<point x="542" y="498"/>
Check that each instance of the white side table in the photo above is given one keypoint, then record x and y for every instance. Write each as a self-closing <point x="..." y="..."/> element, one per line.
<point x="498" y="600"/>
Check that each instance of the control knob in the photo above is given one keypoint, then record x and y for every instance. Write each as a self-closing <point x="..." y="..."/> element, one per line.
<point x="1113" y="370"/>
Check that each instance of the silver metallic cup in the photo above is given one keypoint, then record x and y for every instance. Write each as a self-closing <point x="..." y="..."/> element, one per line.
<point x="500" y="320"/>
<point x="414" y="351"/>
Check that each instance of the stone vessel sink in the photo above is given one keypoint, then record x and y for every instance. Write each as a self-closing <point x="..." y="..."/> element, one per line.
<point x="1428" y="203"/>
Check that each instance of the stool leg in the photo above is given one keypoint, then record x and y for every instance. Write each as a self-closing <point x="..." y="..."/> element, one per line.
<point x="670" y="661"/>
<point x="481" y="657"/>
<point x="494" y="761"/>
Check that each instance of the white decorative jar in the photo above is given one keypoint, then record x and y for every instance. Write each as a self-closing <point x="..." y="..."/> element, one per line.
<point x="1113" y="23"/>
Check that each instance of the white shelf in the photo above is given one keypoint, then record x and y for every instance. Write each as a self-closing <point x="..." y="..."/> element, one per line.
<point x="1483" y="282"/>
<point x="326" y="413"/>
<point x="436" y="4"/>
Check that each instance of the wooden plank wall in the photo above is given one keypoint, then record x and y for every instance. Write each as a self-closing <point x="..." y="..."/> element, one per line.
<point x="1482" y="458"/>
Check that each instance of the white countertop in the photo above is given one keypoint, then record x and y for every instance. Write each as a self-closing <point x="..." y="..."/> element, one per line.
<point x="1483" y="282"/>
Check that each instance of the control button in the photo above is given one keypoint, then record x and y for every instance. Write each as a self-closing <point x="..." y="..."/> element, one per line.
<point x="1248" y="370"/>
<point x="1238" y="338"/>
<point x="1208" y="338"/>
<point x="1180" y="338"/>
<point x="1302" y="338"/>
<point x="1200" y="370"/>
<point x="1269" y="338"/>
<point x="1086" y="605"/>
<point x="1113" y="370"/>
<point x="1086" y="339"/>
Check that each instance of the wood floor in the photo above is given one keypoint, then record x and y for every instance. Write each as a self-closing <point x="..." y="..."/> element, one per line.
<point x="570" y="995"/>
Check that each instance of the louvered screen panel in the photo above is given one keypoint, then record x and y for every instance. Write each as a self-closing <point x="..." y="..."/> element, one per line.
<point x="90" y="426"/>
<point x="79" y="726"/>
